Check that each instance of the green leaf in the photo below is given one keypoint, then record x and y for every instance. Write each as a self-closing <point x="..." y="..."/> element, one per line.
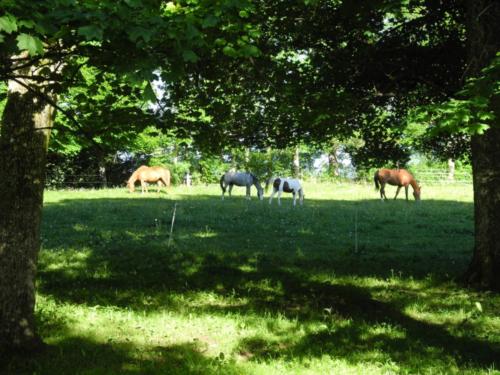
<point x="134" y="3"/>
<point x="479" y="306"/>
<point x="90" y="32"/>
<point x="148" y="93"/>
<point x="220" y="41"/>
<point x="190" y="56"/>
<point x="139" y="32"/>
<point x="27" y="23"/>
<point x="8" y="23"/>
<point x="230" y="51"/>
<point x="192" y="32"/>
<point x="209" y="21"/>
<point x="485" y="116"/>
<point x="30" y="43"/>
<point x="480" y="128"/>
<point x="250" y="50"/>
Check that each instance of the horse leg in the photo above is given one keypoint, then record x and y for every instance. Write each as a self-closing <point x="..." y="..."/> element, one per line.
<point x="272" y="195"/>
<point x="397" y="192"/>
<point x="279" y="198"/>
<point x="144" y="186"/>
<point x="406" y="192"/>
<point x="382" y="191"/>
<point x="248" y="192"/>
<point x="230" y="189"/>
<point x="294" y="198"/>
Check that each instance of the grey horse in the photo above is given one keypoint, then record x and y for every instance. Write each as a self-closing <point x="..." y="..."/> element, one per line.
<point x="240" y="179"/>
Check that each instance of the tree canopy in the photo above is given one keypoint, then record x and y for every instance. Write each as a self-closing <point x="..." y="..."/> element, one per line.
<point x="241" y="72"/>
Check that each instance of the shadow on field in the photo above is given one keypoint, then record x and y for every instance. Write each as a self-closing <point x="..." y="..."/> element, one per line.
<point x="116" y="252"/>
<point x="76" y="355"/>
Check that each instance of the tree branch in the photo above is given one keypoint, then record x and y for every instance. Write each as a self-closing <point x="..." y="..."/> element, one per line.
<point x="51" y="102"/>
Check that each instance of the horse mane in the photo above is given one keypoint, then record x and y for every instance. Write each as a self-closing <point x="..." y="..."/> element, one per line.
<point x="256" y="181"/>
<point x="414" y="184"/>
<point x="133" y="177"/>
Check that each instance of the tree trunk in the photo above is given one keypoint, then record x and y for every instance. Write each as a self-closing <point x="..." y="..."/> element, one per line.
<point x="333" y="163"/>
<point x="451" y="170"/>
<point x="247" y="159"/>
<point x="296" y="163"/>
<point x="102" y="174"/>
<point x="101" y="167"/>
<point x="25" y="131"/>
<point x="483" y="43"/>
<point x="269" y="164"/>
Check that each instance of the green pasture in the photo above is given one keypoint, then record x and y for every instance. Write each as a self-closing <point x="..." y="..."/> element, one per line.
<point x="345" y="284"/>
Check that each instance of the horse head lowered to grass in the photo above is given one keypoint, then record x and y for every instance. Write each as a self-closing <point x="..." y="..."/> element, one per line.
<point x="145" y="175"/>
<point x="229" y="179"/>
<point x="396" y="177"/>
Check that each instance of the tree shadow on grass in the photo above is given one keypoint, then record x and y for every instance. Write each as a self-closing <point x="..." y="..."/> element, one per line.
<point x="76" y="355"/>
<point x="371" y="322"/>
<point x="127" y="263"/>
<point x="348" y="237"/>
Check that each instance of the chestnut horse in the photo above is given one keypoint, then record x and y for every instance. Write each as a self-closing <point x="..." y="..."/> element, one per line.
<point x="396" y="177"/>
<point x="146" y="174"/>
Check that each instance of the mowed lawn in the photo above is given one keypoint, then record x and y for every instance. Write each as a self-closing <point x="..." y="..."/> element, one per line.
<point x="344" y="284"/>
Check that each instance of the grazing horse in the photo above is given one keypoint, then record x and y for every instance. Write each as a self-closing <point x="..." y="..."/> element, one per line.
<point x="146" y="174"/>
<point x="396" y="177"/>
<point x="240" y="179"/>
<point x="287" y="185"/>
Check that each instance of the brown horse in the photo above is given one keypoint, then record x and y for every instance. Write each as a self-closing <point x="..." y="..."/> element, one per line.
<point x="146" y="174"/>
<point x="396" y="177"/>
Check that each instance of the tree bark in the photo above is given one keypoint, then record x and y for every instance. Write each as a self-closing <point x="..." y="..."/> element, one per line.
<point x="102" y="174"/>
<point x="26" y="123"/>
<point x="333" y="163"/>
<point x="483" y="43"/>
<point x="296" y="163"/>
<point x="451" y="170"/>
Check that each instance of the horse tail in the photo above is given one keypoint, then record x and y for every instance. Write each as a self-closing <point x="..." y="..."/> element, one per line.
<point x="222" y="184"/>
<point x="375" y="179"/>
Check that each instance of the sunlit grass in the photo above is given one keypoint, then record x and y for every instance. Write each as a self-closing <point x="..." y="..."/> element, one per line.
<point x="345" y="284"/>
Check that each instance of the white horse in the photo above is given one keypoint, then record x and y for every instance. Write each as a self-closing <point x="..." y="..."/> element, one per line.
<point x="240" y="179"/>
<point x="287" y="185"/>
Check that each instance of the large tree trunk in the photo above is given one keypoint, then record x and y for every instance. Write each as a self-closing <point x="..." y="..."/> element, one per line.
<point x="25" y="130"/>
<point x="484" y="270"/>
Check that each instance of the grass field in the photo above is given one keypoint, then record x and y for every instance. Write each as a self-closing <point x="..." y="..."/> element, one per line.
<point x="346" y="284"/>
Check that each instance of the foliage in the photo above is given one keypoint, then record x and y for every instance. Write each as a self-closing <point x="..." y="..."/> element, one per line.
<point x="211" y="168"/>
<point x="77" y="50"/>
<point x="292" y="92"/>
<point x="102" y="113"/>
<point x="471" y="111"/>
<point x="101" y="61"/>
